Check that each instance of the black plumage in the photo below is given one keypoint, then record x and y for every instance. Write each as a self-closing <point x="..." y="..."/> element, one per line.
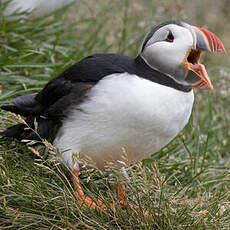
<point x="179" y="23"/>
<point x="51" y="105"/>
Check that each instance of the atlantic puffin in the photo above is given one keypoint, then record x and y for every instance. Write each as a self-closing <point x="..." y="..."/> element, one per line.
<point x="108" y="103"/>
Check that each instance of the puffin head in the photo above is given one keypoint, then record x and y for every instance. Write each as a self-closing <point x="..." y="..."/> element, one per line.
<point x="175" y="48"/>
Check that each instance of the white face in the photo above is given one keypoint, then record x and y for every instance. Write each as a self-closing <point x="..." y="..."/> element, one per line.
<point x="167" y="48"/>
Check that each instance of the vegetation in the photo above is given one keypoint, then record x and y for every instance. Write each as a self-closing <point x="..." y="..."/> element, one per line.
<point x="184" y="186"/>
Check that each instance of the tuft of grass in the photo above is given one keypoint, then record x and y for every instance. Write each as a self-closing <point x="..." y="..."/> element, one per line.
<point x="183" y="186"/>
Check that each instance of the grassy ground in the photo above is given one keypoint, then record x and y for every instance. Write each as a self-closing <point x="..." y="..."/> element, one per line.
<point x="184" y="186"/>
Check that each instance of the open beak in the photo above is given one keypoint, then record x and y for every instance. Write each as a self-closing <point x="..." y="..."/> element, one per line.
<point x="204" y="40"/>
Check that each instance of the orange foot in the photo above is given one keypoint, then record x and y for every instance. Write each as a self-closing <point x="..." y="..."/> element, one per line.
<point x="84" y="199"/>
<point x="120" y="189"/>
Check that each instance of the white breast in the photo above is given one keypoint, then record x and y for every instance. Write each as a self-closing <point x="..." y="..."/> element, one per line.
<point x="124" y="111"/>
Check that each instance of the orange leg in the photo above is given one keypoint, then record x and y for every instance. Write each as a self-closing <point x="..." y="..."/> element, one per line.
<point x="120" y="190"/>
<point x="84" y="199"/>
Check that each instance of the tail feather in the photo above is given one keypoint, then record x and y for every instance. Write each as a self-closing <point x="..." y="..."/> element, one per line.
<point x="17" y="131"/>
<point x="24" y="105"/>
<point x="25" y="101"/>
<point x="46" y="129"/>
<point x="15" y="109"/>
<point x="28" y="107"/>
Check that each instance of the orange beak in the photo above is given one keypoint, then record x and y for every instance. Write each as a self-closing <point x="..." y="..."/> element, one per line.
<point x="204" y="40"/>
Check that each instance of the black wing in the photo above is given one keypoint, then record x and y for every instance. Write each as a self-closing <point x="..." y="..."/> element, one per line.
<point x="51" y="104"/>
<point x="89" y="70"/>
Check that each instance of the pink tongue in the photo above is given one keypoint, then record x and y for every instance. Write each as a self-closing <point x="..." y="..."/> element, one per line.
<point x="200" y="70"/>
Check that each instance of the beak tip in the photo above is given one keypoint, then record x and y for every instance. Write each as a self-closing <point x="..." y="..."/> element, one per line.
<point x="223" y="51"/>
<point x="221" y="48"/>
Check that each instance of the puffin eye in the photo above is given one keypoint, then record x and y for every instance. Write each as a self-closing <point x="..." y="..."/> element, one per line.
<point x="170" y="37"/>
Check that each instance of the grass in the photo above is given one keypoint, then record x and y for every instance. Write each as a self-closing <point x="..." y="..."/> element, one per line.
<point x="183" y="186"/>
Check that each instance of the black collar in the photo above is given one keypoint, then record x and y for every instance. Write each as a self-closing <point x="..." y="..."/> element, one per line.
<point x="145" y="71"/>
